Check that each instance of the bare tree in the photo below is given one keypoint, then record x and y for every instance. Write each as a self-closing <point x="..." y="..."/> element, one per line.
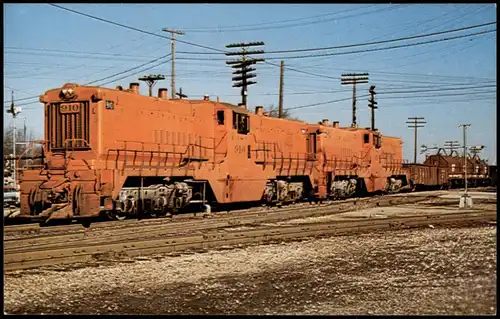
<point x="274" y="112"/>
<point x="21" y="149"/>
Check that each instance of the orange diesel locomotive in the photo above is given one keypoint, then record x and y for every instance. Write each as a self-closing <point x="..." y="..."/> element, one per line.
<point x="114" y="151"/>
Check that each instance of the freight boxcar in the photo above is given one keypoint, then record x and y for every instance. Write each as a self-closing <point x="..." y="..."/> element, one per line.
<point x="447" y="171"/>
<point x="492" y="169"/>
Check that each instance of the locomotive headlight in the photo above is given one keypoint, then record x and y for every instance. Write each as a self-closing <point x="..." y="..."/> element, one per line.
<point x="68" y="91"/>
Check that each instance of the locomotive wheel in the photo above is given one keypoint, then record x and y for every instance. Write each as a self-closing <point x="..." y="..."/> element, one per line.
<point x="31" y="201"/>
<point x="35" y="207"/>
<point x="119" y="216"/>
<point x="116" y="215"/>
<point x="77" y="200"/>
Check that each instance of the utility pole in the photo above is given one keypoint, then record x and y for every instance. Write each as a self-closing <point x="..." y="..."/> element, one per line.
<point x="14" y="111"/>
<point x="372" y="104"/>
<point x="415" y="123"/>
<point x="424" y="149"/>
<point x="476" y="150"/>
<point x="452" y="146"/>
<point x="354" y="78"/>
<point x="243" y="67"/>
<point x="465" y="152"/>
<point x="173" y="32"/>
<point x="465" y="200"/>
<point x="151" y="80"/>
<point x="280" y="103"/>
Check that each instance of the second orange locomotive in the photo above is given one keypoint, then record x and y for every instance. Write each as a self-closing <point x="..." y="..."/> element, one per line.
<point x="115" y="151"/>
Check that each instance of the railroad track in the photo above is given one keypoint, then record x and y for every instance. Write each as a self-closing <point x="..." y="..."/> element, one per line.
<point x="64" y="237"/>
<point x="36" y="257"/>
<point x="16" y="231"/>
<point x="34" y="227"/>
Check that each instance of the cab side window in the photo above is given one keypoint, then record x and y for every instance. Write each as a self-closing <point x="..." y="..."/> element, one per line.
<point x="366" y="138"/>
<point x="377" y="141"/>
<point x="241" y="122"/>
<point x="220" y="117"/>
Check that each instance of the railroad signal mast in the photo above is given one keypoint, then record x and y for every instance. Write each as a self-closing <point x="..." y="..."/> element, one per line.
<point x="415" y="123"/>
<point x="14" y="111"/>
<point x="372" y="104"/>
<point x="243" y="67"/>
<point x="354" y="78"/>
<point x="181" y="95"/>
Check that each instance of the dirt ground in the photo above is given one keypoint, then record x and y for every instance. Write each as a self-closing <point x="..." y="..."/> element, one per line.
<point x="424" y="271"/>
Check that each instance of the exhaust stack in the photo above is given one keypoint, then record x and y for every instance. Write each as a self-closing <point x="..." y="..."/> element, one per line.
<point x="134" y="87"/>
<point x="259" y="110"/>
<point x="163" y="93"/>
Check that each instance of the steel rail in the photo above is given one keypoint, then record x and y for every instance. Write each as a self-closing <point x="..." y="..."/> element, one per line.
<point x="35" y="227"/>
<point x="152" y="230"/>
<point x="218" y="239"/>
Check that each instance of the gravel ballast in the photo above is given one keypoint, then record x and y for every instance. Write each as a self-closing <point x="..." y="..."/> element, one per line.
<point x="421" y="271"/>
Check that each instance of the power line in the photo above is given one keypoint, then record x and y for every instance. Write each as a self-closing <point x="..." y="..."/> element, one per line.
<point x="320" y="103"/>
<point x="77" y="52"/>
<point x="72" y="55"/>
<point x="398" y="31"/>
<point x="312" y="22"/>
<point x="132" y="28"/>
<point x="431" y="102"/>
<point x="439" y="95"/>
<point x="396" y="97"/>
<point x="271" y="23"/>
<point x="366" y="50"/>
<point x="331" y="54"/>
<point x="107" y="77"/>
<point x="131" y="69"/>
<point x="113" y="75"/>
<point x="419" y="24"/>
<point x="442" y="89"/>
<point x="305" y="72"/>
<point x="146" y="32"/>
<point x="140" y="71"/>
<point x="380" y="80"/>
<point x="468" y="46"/>
<point x="222" y="51"/>
<point x="431" y="75"/>
<point x="367" y="43"/>
<point x="400" y="73"/>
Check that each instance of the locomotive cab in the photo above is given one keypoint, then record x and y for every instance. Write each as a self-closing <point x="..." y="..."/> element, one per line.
<point x="64" y="185"/>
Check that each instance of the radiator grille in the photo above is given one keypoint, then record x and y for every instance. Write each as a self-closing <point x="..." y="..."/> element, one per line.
<point x="70" y="127"/>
